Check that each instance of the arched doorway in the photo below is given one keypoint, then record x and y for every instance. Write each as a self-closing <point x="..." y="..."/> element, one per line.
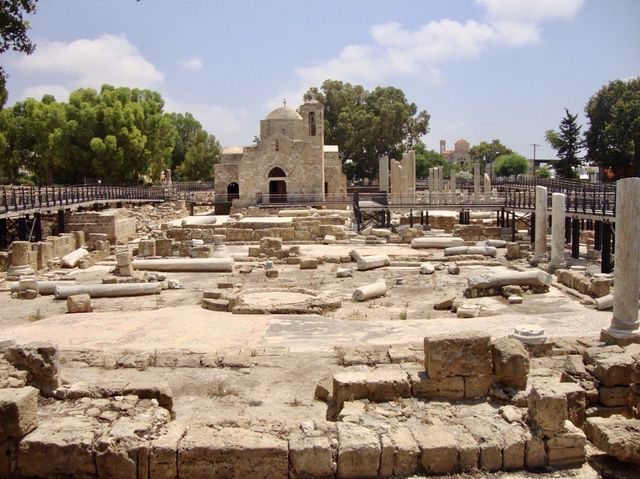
<point x="277" y="185"/>
<point x="233" y="191"/>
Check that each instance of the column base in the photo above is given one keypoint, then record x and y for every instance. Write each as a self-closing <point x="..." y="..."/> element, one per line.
<point x="15" y="272"/>
<point x="537" y="259"/>
<point x="555" y="265"/>
<point x="620" y="337"/>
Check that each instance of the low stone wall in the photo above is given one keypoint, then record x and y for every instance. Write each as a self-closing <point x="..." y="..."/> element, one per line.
<point x="115" y="223"/>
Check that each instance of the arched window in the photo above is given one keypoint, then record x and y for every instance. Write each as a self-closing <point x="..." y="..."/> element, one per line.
<point x="312" y="124"/>
<point x="276" y="173"/>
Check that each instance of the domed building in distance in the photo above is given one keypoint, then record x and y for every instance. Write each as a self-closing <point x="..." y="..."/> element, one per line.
<point x="289" y="163"/>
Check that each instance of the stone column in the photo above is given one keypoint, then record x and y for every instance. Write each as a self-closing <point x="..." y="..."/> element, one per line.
<point x="396" y="181"/>
<point x="557" y="231"/>
<point x="541" y="224"/>
<point x="624" y="324"/>
<point x="476" y="177"/>
<point x="487" y="186"/>
<point x="20" y="259"/>
<point x="167" y="176"/>
<point x="409" y="162"/>
<point x="383" y="174"/>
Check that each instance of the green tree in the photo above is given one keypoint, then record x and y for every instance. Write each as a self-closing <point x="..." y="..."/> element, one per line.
<point x="426" y="159"/>
<point x="368" y="124"/>
<point x="567" y="143"/>
<point x="487" y="152"/>
<point x="613" y="137"/>
<point x="13" y="33"/>
<point x="510" y="165"/>
<point x="543" y="172"/>
<point x="195" y="151"/>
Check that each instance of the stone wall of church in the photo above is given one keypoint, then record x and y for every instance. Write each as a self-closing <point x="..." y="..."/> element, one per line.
<point x="225" y="173"/>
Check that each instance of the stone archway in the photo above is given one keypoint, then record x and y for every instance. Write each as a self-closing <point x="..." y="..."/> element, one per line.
<point x="233" y="191"/>
<point x="277" y="185"/>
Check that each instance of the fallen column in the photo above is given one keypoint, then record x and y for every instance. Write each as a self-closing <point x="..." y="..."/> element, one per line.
<point x="44" y="287"/>
<point x="71" y="260"/>
<point x="198" y="220"/>
<point x="493" y="280"/>
<point x="436" y="242"/>
<point x="604" y="302"/>
<point x="370" y="291"/>
<point x="365" y="263"/>
<point x="214" y="265"/>
<point x="481" y="250"/>
<point x="108" y="290"/>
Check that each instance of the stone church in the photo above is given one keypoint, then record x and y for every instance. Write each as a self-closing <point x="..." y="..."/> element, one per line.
<point x="289" y="163"/>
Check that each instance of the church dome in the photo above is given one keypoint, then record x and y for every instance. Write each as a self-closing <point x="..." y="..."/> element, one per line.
<point x="283" y="113"/>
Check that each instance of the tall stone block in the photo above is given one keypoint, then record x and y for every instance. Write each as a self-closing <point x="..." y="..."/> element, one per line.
<point x="383" y="174"/>
<point x="476" y="177"/>
<point x="557" y="231"/>
<point x="541" y="224"/>
<point x="625" y="324"/>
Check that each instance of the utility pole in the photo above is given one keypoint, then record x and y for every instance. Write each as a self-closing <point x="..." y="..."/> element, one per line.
<point x="535" y="145"/>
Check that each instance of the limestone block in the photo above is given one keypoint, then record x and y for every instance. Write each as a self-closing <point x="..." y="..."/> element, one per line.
<point x="329" y="239"/>
<point x="548" y="409"/>
<point x="308" y="263"/>
<point x="163" y="246"/>
<point x="463" y="354"/>
<point x="215" y="304"/>
<point x="378" y="385"/>
<point x="358" y="453"/>
<point x="79" y="303"/>
<point x="468" y="453"/>
<point x="18" y="412"/>
<point x="477" y="386"/>
<point x="42" y="363"/>
<point x="430" y="388"/>
<point x="270" y="244"/>
<point x="311" y="457"/>
<point x="146" y="248"/>
<point x="535" y="454"/>
<point x="406" y="452"/>
<point x="489" y="443"/>
<point x="206" y="452"/>
<point x="121" y="452"/>
<point x="162" y="453"/>
<point x="614" y="396"/>
<point x="576" y="401"/>
<point x="510" y="362"/>
<point x="567" y="448"/>
<point x="617" y="436"/>
<point x="61" y="447"/>
<point x="614" y="369"/>
<point x="438" y="449"/>
<point x="600" y="287"/>
<point x="513" y="448"/>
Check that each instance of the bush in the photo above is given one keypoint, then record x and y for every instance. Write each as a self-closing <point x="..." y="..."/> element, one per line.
<point x="511" y="165"/>
<point x="543" y="172"/>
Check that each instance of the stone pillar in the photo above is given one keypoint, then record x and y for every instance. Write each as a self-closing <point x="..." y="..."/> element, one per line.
<point x="441" y="178"/>
<point x="167" y="176"/>
<point x="487" y="186"/>
<point x="452" y="181"/>
<point x="476" y="177"/>
<point x="541" y="224"/>
<point x="396" y="180"/>
<point x="624" y="323"/>
<point x="409" y="163"/>
<point x="557" y="231"/>
<point x="20" y="259"/>
<point x="383" y="174"/>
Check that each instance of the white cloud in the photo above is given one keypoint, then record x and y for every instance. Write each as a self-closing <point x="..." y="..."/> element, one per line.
<point x="60" y="92"/>
<point x="92" y="62"/>
<point x="531" y="10"/>
<point x="194" y="64"/>
<point x="227" y="124"/>
<point x="395" y="50"/>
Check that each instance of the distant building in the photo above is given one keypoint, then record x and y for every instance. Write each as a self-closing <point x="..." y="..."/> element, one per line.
<point x="459" y="154"/>
<point x="289" y="162"/>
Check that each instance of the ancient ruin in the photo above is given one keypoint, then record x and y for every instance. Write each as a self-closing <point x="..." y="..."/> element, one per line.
<point x="409" y="331"/>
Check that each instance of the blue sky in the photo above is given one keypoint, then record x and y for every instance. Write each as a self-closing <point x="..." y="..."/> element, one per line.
<point x="483" y="69"/>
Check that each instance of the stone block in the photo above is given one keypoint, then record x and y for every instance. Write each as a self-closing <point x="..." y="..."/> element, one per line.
<point x="566" y="457"/>
<point x="548" y="409"/>
<point x="377" y="385"/>
<point x="79" y="303"/>
<point x="617" y="436"/>
<point x="308" y="263"/>
<point x="614" y="396"/>
<point x="18" y="412"/>
<point x="535" y="454"/>
<point x="438" y="449"/>
<point x="215" y="304"/>
<point x="477" y="386"/>
<point x="206" y="452"/>
<point x="468" y="452"/>
<point x="451" y="388"/>
<point x="510" y="362"/>
<point x="42" y="363"/>
<point x="311" y="457"/>
<point x="359" y="452"/>
<point x="163" y="452"/>
<point x="614" y="369"/>
<point x="164" y="247"/>
<point x="62" y="447"/>
<point x="513" y="446"/>
<point x="406" y="452"/>
<point x="464" y="354"/>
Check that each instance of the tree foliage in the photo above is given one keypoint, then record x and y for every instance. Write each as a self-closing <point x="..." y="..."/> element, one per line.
<point x="13" y="33"/>
<point x="489" y="151"/>
<point x="426" y="159"/>
<point x="510" y="165"/>
<point x="117" y="135"/>
<point x="195" y="150"/>
<point x="368" y="124"/>
<point x="613" y="137"/>
<point x="567" y="143"/>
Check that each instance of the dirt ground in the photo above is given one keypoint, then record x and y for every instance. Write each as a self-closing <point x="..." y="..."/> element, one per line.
<point x="276" y="361"/>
